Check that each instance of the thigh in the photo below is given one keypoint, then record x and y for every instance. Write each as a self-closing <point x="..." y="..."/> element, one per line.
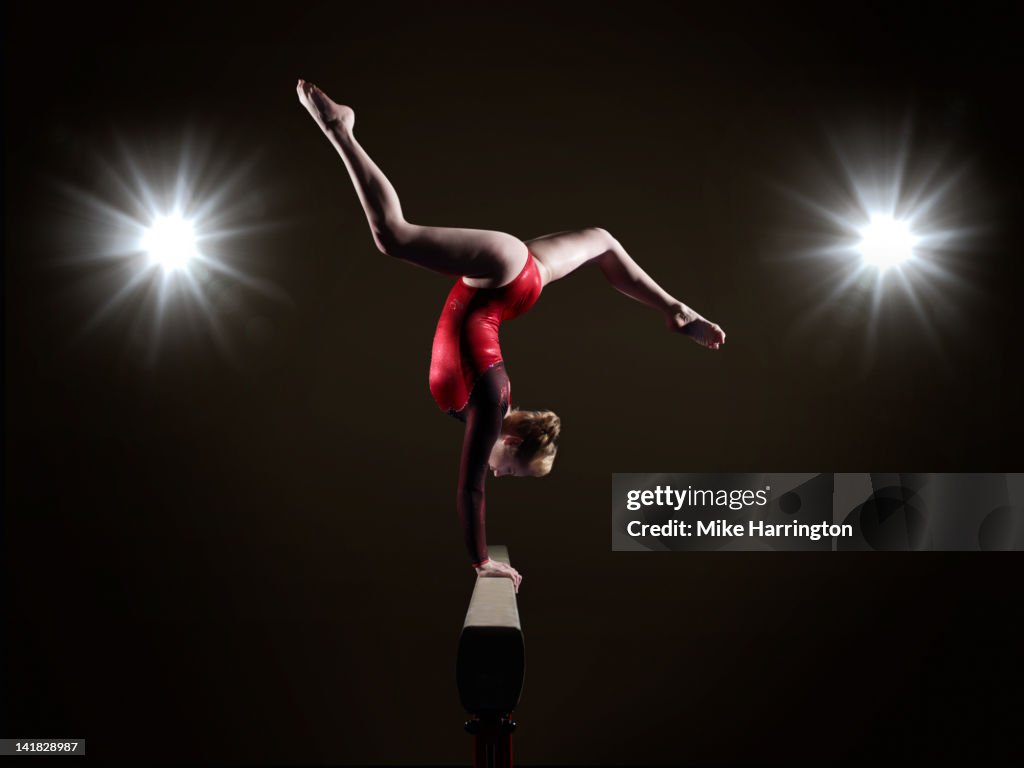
<point x="488" y="258"/>
<point x="562" y="252"/>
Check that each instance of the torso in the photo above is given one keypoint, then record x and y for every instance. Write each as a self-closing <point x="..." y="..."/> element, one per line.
<point x="466" y="340"/>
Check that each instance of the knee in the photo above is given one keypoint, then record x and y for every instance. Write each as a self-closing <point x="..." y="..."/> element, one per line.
<point x="603" y="235"/>
<point x="392" y="238"/>
<point x="383" y="244"/>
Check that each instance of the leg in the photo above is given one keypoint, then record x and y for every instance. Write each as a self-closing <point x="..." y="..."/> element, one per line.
<point x="563" y="252"/>
<point x="492" y="258"/>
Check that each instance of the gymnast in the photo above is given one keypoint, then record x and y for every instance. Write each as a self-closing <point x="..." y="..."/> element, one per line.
<point x="499" y="277"/>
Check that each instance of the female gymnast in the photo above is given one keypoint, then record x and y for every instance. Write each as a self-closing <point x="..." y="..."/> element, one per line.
<point x="499" y="278"/>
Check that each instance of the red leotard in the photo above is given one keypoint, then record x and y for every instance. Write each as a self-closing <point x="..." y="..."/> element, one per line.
<point x="466" y="340"/>
<point x="468" y="380"/>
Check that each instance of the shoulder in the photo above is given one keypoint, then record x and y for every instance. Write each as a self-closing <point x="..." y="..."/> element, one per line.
<point x="491" y="388"/>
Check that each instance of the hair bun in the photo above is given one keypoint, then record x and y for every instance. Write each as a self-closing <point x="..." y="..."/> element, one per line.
<point x="538" y="431"/>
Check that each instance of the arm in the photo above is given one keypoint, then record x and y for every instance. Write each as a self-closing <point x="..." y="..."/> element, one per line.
<point x="564" y="252"/>
<point x="484" y="416"/>
<point x="483" y="427"/>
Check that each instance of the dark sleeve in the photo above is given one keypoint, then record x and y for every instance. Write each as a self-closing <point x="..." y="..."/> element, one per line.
<point x="484" y="415"/>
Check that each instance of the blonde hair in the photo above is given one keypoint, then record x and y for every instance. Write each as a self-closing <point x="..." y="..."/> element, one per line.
<point x="538" y="431"/>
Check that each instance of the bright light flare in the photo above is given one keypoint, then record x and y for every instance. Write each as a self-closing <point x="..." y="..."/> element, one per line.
<point x="164" y="232"/>
<point x="883" y="227"/>
<point x="886" y="242"/>
<point x="170" y="242"/>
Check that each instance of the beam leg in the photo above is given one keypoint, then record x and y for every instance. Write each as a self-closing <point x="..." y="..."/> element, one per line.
<point x="492" y="736"/>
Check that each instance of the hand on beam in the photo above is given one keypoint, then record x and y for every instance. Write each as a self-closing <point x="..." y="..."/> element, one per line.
<point x="495" y="568"/>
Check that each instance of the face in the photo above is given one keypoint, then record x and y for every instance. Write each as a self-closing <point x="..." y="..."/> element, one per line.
<point x="503" y="460"/>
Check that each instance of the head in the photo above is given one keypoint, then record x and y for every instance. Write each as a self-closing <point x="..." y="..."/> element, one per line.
<point x="527" y="444"/>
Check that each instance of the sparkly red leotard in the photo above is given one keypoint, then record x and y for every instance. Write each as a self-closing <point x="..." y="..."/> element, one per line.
<point x="466" y="340"/>
<point x="468" y="380"/>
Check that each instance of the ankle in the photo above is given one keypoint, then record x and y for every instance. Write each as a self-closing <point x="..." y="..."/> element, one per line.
<point x="340" y="129"/>
<point x="677" y="308"/>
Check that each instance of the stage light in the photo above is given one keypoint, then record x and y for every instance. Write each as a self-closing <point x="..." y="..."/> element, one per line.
<point x="166" y="231"/>
<point x="886" y="242"/>
<point x="170" y="242"/>
<point x="883" y="226"/>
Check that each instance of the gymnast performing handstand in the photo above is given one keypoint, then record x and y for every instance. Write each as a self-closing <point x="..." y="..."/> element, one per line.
<point x="499" y="277"/>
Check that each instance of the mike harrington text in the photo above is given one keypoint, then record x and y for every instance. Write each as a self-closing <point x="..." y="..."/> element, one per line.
<point x="718" y="528"/>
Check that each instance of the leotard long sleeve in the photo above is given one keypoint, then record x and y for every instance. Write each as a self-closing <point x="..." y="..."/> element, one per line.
<point x="483" y="414"/>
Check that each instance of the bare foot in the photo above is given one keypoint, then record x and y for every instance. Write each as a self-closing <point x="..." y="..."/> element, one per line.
<point x="328" y="115"/>
<point x="687" y="322"/>
<point x="705" y="333"/>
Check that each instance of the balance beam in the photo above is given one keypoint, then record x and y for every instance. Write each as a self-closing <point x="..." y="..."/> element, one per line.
<point x="490" y="666"/>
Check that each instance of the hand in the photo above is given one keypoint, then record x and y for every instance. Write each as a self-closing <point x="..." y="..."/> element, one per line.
<point x="684" y="320"/>
<point x="494" y="568"/>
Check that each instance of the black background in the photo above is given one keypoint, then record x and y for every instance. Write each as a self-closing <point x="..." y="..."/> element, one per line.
<point x="249" y="545"/>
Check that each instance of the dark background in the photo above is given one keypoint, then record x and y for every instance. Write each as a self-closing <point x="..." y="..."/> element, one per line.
<point x="249" y="546"/>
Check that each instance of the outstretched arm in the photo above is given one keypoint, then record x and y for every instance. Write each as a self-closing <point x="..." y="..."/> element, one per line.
<point x="564" y="252"/>
<point x="484" y="416"/>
